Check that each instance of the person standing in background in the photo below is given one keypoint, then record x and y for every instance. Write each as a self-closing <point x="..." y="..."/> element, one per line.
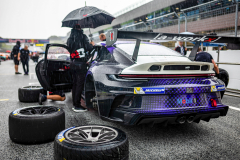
<point x="102" y="37"/>
<point x="16" y="54"/>
<point x="181" y="49"/>
<point x="24" y="56"/>
<point x="206" y="57"/>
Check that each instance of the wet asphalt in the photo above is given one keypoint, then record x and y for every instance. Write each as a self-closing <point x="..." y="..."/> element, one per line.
<point x="217" y="139"/>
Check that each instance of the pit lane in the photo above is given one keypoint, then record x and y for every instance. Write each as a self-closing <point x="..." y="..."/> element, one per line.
<point x="217" y="139"/>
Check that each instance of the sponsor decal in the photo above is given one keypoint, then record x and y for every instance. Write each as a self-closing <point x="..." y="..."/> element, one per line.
<point x="220" y="88"/>
<point x="189" y="90"/>
<point x="15" y="112"/>
<point x="213" y="89"/>
<point x="111" y="34"/>
<point x="186" y="101"/>
<point x="217" y="88"/>
<point x="149" y="90"/>
<point x="182" y="38"/>
<point x="61" y="134"/>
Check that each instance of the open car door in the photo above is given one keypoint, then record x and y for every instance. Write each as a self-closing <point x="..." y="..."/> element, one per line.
<point x="53" y="71"/>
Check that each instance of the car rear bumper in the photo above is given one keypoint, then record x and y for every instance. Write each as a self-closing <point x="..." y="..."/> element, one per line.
<point x="131" y="117"/>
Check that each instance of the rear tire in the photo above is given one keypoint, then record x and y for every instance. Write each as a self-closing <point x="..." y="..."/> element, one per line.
<point x="224" y="76"/>
<point x="30" y="125"/>
<point x="68" y="144"/>
<point x="29" y="93"/>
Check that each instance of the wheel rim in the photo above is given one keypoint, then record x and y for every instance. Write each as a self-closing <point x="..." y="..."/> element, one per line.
<point x="32" y="87"/>
<point x="38" y="110"/>
<point x="91" y="134"/>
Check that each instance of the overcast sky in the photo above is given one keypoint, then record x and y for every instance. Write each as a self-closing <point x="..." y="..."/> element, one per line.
<point x="42" y="18"/>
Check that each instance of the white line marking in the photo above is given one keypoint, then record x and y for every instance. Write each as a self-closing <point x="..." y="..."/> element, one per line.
<point x="235" y="108"/>
<point x="34" y="83"/>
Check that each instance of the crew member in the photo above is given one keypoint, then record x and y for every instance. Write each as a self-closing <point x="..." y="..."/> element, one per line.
<point x="102" y="37"/>
<point x="206" y="57"/>
<point x="16" y="58"/>
<point x="24" y="56"/>
<point x="79" y="45"/>
<point x="181" y="49"/>
<point x="56" y="96"/>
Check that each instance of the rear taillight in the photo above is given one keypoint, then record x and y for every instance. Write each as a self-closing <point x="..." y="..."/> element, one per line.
<point x="213" y="103"/>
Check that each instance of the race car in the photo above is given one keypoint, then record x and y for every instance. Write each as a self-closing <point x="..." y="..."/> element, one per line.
<point x="141" y="83"/>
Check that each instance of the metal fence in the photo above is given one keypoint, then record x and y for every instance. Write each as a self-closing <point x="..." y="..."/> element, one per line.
<point x="195" y="13"/>
<point x="187" y="15"/>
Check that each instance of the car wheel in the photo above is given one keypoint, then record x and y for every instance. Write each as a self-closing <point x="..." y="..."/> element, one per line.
<point x="29" y="93"/>
<point x="91" y="142"/>
<point x="224" y="76"/>
<point x="37" y="124"/>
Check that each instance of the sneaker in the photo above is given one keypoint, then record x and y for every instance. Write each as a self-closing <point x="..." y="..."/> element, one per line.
<point x="79" y="109"/>
<point x="42" y="98"/>
<point x="18" y="73"/>
<point x="26" y="73"/>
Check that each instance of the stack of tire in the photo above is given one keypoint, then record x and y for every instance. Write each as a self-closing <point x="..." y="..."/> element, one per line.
<point x="40" y="124"/>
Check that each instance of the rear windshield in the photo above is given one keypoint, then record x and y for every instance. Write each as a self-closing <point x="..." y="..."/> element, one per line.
<point x="148" y="50"/>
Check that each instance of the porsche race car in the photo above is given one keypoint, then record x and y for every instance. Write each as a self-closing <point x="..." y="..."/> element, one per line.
<point x="135" y="82"/>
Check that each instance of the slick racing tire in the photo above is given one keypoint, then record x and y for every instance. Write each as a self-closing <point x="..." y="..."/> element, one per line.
<point x="92" y="142"/>
<point x="29" y="93"/>
<point x="224" y="76"/>
<point x="37" y="124"/>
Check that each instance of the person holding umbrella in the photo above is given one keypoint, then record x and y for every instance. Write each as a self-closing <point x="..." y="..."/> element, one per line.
<point x="78" y="43"/>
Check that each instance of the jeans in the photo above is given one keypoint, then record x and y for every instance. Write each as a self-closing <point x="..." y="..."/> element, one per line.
<point x="78" y="84"/>
<point x="78" y="70"/>
<point x="25" y="63"/>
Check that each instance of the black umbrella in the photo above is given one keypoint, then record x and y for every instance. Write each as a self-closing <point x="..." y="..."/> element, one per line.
<point x="87" y="17"/>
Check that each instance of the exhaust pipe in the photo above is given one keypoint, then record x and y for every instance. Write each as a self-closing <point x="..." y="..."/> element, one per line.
<point x="190" y="119"/>
<point x="181" y="120"/>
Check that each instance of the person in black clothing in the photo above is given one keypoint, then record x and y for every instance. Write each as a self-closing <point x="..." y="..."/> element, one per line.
<point x="79" y="46"/>
<point x="181" y="49"/>
<point x="16" y="58"/>
<point x="206" y="57"/>
<point x="24" y="56"/>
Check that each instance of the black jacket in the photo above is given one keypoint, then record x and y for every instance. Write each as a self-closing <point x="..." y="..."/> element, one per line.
<point x="178" y="49"/>
<point x="78" y="40"/>
<point x="15" y="49"/>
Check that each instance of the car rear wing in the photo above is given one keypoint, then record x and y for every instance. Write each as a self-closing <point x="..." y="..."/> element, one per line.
<point x="115" y="34"/>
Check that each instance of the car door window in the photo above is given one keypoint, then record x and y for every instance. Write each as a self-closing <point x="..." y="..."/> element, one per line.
<point x="58" y="53"/>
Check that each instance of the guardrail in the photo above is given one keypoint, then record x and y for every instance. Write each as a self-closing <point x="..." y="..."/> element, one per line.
<point x="232" y="92"/>
<point x="228" y="63"/>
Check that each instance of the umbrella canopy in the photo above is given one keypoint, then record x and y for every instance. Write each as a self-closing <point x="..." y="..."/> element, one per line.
<point x="87" y="17"/>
